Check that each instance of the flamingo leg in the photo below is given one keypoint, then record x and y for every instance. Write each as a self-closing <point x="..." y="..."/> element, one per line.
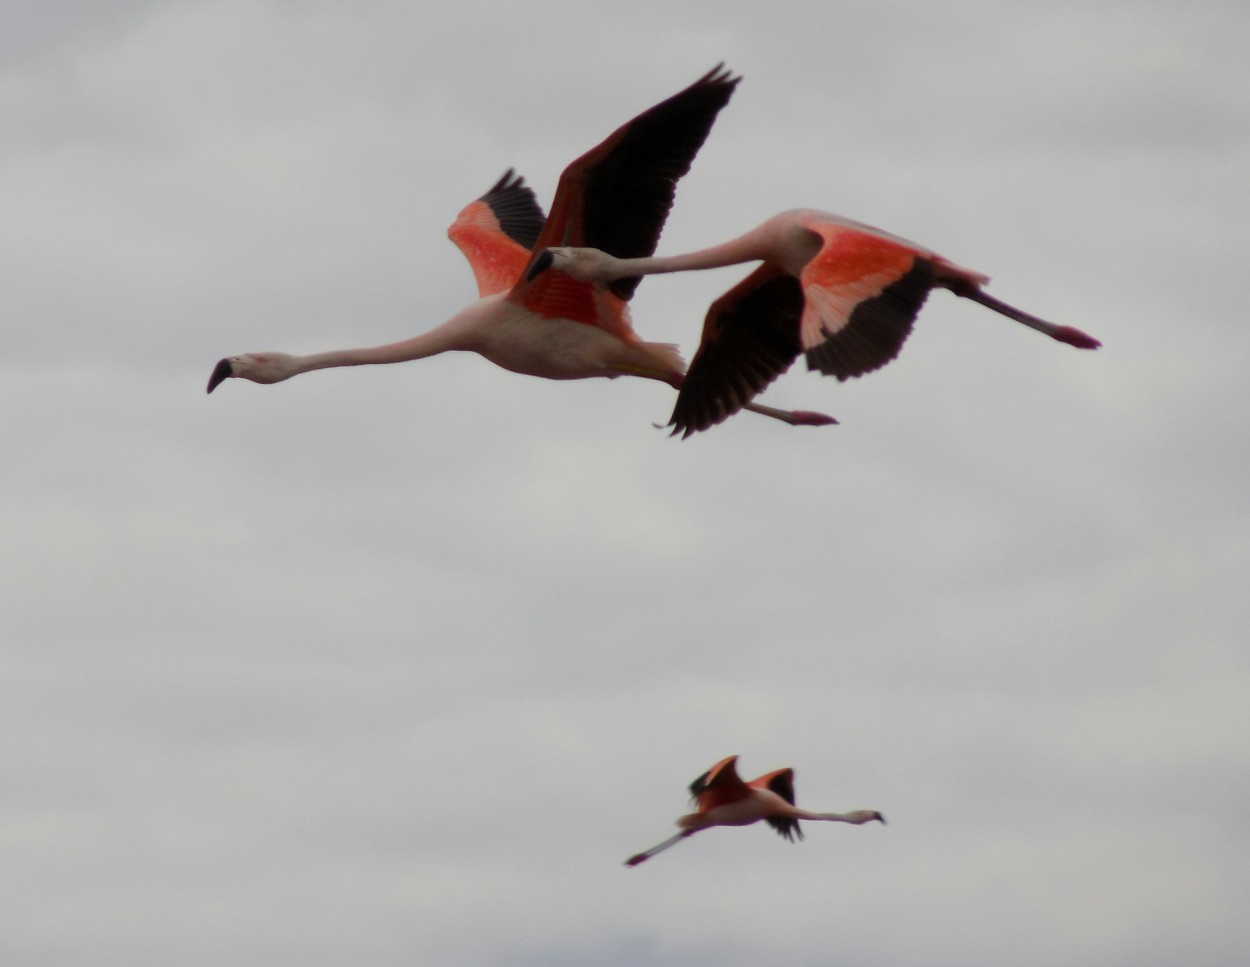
<point x="647" y="854"/>
<point x="1064" y="334"/>
<point x="793" y="417"/>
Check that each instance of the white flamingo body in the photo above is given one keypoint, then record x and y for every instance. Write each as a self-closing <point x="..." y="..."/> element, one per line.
<point x="550" y="347"/>
<point x="751" y="808"/>
<point x="840" y="292"/>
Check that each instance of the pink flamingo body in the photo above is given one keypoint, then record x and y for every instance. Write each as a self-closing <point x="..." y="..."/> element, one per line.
<point x="841" y="293"/>
<point x="722" y="799"/>
<point x="552" y="325"/>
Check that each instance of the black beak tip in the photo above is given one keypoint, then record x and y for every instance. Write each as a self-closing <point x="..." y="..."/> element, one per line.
<point x="221" y="372"/>
<point x="540" y="265"/>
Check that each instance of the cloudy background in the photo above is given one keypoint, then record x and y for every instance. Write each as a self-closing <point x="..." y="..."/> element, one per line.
<point x="396" y="666"/>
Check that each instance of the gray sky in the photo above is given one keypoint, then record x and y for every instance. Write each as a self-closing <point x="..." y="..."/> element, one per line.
<point x="398" y="665"/>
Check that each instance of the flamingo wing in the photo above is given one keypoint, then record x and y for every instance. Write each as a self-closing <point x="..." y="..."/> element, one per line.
<point x="720" y="783"/>
<point x="863" y="290"/>
<point x="617" y="196"/>
<point x="786" y="826"/>
<point x="497" y="232"/>
<point x="750" y="337"/>
<point x="782" y="783"/>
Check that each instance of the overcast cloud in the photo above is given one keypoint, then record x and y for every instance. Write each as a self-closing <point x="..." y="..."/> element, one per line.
<point x="398" y="665"/>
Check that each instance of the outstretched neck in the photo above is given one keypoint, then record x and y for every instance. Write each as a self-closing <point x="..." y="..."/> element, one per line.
<point x="418" y="347"/>
<point x="784" y="240"/>
<point x="451" y="335"/>
<point x="856" y="817"/>
<point x="747" y="248"/>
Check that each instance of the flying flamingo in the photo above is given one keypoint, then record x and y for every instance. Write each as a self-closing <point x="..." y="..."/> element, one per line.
<point x="616" y="197"/>
<point x="722" y="799"/>
<point x="842" y="293"/>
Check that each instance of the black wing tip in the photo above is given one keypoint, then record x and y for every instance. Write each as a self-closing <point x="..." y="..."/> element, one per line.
<point x="714" y="88"/>
<point x="686" y="428"/>
<point x="783" y="785"/>
<point x="787" y="829"/>
<point x="692" y="415"/>
<point x="508" y="181"/>
<point x="750" y="337"/>
<point x="516" y="207"/>
<point x="722" y="75"/>
<point x="632" y="176"/>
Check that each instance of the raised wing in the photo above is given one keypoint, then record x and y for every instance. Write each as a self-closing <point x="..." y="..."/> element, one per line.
<point x="616" y="197"/>
<point x="497" y="233"/>
<point x="750" y="337"/>
<point x="863" y="291"/>
<point x="782" y="783"/>
<point x="721" y="782"/>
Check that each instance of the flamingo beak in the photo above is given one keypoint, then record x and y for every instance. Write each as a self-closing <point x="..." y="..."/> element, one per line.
<point x="879" y="818"/>
<point x="540" y="265"/>
<point x="221" y="372"/>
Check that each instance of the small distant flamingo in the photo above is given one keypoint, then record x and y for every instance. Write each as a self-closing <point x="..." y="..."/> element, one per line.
<point x="723" y="799"/>
<point x="617" y="197"/>
<point x="842" y="293"/>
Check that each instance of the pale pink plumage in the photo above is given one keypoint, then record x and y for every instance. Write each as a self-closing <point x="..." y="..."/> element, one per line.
<point x="615" y="196"/>
<point x="841" y="293"/>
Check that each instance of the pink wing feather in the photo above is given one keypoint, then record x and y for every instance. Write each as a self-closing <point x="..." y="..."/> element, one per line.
<point x="496" y="233"/>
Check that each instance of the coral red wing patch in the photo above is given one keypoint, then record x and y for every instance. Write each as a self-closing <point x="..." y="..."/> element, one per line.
<point x="862" y="294"/>
<point x="497" y="261"/>
<point x="555" y="295"/>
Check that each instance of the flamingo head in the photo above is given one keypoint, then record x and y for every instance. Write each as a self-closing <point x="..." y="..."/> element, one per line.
<point x="258" y="367"/>
<point x="866" y="816"/>
<point x="586" y="264"/>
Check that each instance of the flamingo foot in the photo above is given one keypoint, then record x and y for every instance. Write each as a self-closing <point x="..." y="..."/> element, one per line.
<point x="811" y="418"/>
<point x="637" y="858"/>
<point x="1074" y="337"/>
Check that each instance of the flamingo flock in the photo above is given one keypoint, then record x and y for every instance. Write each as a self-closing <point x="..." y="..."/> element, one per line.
<point x="616" y="197"/>
<point x="554" y="291"/>
<point x="553" y="302"/>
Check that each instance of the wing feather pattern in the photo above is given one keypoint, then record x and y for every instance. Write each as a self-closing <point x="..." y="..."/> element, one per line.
<point x="875" y="329"/>
<point x="617" y="196"/>
<point x="497" y="232"/>
<point x="750" y="337"/>
<point x="782" y="783"/>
